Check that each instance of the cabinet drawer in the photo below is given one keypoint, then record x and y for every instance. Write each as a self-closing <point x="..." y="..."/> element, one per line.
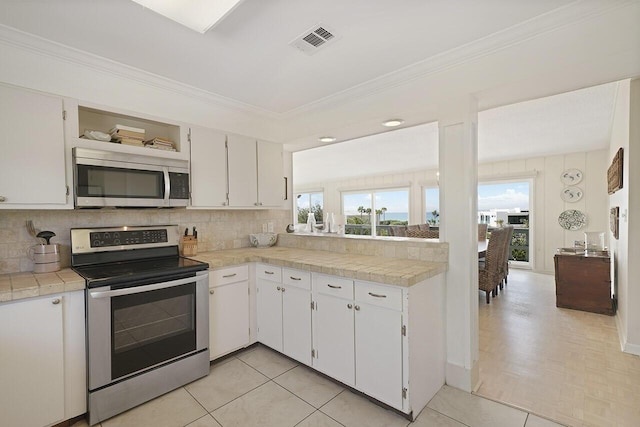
<point x="225" y="276"/>
<point x="332" y="285"/>
<point x="297" y="278"/>
<point x="269" y="272"/>
<point x="382" y="296"/>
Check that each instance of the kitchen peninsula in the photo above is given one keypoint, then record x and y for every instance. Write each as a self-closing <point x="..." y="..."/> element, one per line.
<point x="368" y="312"/>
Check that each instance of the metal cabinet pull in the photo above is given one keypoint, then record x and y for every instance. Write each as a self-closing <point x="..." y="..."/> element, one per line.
<point x="3" y="199"/>
<point x="349" y="306"/>
<point x="377" y="295"/>
<point x="295" y="278"/>
<point x="278" y="288"/>
<point x="229" y="275"/>
<point x="357" y="307"/>
<point x="334" y="286"/>
<point x="56" y="301"/>
<point x="283" y="289"/>
<point x="211" y="291"/>
<point x="268" y="272"/>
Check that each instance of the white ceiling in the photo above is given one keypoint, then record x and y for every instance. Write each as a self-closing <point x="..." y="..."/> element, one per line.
<point x="391" y="59"/>
<point x="566" y="123"/>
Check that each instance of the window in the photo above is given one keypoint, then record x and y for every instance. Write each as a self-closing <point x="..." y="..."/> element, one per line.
<point x="432" y="206"/>
<point x="309" y="202"/>
<point x="374" y="212"/>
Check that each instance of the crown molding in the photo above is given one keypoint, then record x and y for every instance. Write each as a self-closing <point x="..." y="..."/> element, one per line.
<point x="43" y="47"/>
<point x="571" y="14"/>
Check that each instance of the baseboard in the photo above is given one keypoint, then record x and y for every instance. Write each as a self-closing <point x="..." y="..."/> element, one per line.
<point x="631" y="348"/>
<point x="625" y="346"/>
<point x="460" y="377"/>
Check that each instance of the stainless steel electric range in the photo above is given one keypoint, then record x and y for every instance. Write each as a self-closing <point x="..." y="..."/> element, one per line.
<point x="147" y="315"/>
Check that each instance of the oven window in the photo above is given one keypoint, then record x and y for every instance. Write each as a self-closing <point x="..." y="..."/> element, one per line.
<point x="100" y="181"/>
<point x="151" y="327"/>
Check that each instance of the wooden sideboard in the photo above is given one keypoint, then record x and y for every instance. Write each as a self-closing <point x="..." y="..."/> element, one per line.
<point x="584" y="283"/>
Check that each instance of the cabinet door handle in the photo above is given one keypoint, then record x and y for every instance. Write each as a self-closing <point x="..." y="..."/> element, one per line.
<point x="211" y="291"/>
<point x="226" y="276"/>
<point x="56" y="301"/>
<point x="377" y="295"/>
<point x="349" y="306"/>
<point x="3" y="199"/>
<point x="283" y="289"/>
<point x="357" y="307"/>
<point x="334" y="286"/>
<point x="295" y="278"/>
<point x="268" y="272"/>
<point x="278" y="288"/>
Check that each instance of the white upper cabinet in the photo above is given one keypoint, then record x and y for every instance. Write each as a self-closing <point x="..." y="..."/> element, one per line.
<point x="32" y="164"/>
<point x="256" y="175"/>
<point x="271" y="190"/>
<point x="243" y="171"/>
<point x="208" y="168"/>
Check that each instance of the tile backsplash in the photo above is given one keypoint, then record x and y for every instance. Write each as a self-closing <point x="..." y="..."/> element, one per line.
<point x="217" y="229"/>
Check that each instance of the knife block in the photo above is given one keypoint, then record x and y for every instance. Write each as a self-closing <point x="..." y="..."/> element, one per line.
<point x="189" y="246"/>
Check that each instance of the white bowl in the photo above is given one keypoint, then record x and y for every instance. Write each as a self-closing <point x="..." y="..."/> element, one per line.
<point x="263" y="240"/>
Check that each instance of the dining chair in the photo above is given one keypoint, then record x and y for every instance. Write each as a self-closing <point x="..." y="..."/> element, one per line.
<point x="504" y="264"/>
<point x="489" y="274"/>
<point x="482" y="232"/>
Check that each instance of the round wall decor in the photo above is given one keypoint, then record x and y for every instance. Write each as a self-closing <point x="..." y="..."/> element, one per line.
<point x="571" y="176"/>
<point x="572" y="219"/>
<point x="571" y="194"/>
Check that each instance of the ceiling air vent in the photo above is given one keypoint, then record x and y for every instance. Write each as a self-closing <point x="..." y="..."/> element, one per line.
<point x="313" y="39"/>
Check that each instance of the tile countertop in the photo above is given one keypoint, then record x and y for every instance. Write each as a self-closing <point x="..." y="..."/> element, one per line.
<point x="392" y="271"/>
<point x="15" y="286"/>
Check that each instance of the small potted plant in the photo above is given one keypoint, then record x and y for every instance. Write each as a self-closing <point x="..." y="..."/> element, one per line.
<point x="499" y="222"/>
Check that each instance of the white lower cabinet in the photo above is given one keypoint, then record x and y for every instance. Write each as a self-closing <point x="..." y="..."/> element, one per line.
<point x="386" y="341"/>
<point x="358" y="336"/>
<point x="333" y="328"/>
<point x="42" y="359"/>
<point x="228" y="310"/>
<point x="378" y="351"/>
<point x="284" y="310"/>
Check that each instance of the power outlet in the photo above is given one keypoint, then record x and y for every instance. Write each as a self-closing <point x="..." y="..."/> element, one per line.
<point x="264" y="228"/>
<point x="270" y="227"/>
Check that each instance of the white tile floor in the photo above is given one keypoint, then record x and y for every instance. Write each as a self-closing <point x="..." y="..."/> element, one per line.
<point x="259" y="387"/>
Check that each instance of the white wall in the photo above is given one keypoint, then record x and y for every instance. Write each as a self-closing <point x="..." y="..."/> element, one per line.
<point x="625" y="133"/>
<point x="547" y="203"/>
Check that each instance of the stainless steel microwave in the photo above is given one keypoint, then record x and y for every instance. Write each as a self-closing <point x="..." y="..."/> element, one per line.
<point x="107" y="178"/>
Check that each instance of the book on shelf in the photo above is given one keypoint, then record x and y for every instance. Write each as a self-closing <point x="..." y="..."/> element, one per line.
<point x="132" y="141"/>
<point x="161" y="147"/>
<point x="117" y="128"/>
<point x="128" y="134"/>
<point x="159" y="140"/>
<point x="160" y="143"/>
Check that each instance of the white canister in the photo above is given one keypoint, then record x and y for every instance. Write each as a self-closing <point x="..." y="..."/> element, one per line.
<point x="46" y="258"/>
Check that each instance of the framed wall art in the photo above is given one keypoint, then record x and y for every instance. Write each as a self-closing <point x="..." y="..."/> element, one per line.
<point x="614" y="174"/>
<point x="614" y="216"/>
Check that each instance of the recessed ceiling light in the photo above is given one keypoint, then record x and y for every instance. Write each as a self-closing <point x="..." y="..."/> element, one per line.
<point x="392" y="123"/>
<point x="199" y="15"/>
<point x="327" y="139"/>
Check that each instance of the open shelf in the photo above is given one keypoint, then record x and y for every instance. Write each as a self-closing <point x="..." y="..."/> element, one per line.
<point x="103" y="121"/>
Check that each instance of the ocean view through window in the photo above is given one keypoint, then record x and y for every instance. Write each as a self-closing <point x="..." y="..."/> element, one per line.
<point x="373" y="212"/>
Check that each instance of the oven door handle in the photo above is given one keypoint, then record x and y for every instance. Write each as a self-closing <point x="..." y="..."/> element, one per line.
<point x="145" y="288"/>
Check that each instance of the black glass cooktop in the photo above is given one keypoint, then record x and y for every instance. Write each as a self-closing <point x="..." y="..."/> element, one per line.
<point x="136" y="271"/>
